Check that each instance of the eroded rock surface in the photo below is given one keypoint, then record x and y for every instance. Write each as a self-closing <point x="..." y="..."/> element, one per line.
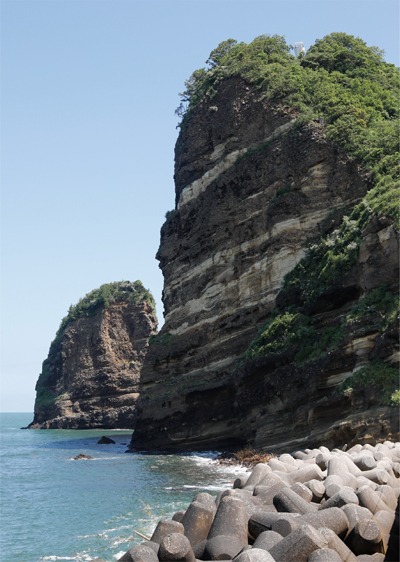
<point x="251" y="191"/>
<point x="91" y="376"/>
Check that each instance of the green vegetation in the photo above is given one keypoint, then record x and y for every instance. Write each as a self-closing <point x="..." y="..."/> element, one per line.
<point x="378" y="375"/>
<point x="292" y="328"/>
<point x="330" y="258"/>
<point x="381" y="301"/>
<point x="44" y="397"/>
<point x="349" y="85"/>
<point x="103" y="297"/>
<point x="340" y="78"/>
<point x="165" y="339"/>
<point x="169" y="214"/>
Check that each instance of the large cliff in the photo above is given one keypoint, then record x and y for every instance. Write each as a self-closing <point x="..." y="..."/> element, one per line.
<point x="279" y="286"/>
<point x="90" y="378"/>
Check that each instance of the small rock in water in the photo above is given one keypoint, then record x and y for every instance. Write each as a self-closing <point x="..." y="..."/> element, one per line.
<point x="82" y="456"/>
<point x="105" y="441"/>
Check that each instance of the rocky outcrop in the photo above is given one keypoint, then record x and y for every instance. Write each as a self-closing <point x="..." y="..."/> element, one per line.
<point x="90" y="378"/>
<point x="252" y="189"/>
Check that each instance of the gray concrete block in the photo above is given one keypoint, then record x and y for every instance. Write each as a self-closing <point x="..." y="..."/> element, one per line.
<point x="164" y="528"/>
<point x="175" y="547"/>
<point x="298" y="546"/>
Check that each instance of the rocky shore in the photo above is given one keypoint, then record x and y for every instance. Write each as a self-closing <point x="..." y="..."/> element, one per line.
<point x="314" y="505"/>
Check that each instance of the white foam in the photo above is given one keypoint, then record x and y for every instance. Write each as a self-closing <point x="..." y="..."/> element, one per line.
<point x="62" y="558"/>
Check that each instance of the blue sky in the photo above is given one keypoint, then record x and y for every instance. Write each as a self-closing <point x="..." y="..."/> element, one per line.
<point x="88" y="93"/>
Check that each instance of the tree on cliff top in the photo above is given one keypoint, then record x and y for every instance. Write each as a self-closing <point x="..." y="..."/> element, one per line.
<point x="344" y="53"/>
<point x="104" y="296"/>
<point x="340" y="78"/>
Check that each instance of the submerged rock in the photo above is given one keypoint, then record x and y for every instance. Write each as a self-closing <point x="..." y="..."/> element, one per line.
<point x="81" y="456"/>
<point x="105" y="441"/>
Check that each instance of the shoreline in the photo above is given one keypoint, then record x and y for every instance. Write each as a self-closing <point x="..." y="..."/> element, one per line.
<point x="309" y="506"/>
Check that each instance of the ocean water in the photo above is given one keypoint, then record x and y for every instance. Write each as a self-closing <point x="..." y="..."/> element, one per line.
<point x="55" y="508"/>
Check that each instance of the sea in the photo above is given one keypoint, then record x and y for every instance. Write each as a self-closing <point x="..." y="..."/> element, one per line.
<point x="56" y="508"/>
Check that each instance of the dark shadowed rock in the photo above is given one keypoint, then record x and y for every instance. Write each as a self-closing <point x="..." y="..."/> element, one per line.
<point x="105" y="441"/>
<point x="81" y="456"/>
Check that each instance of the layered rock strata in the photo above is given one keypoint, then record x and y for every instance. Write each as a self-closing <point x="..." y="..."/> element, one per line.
<point x="90" y="378"/>
<point x="252" y="189"/>
<point x="313" y="505"/>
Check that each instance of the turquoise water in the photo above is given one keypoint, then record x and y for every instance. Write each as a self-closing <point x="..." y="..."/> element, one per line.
<point x="55" y="508"/>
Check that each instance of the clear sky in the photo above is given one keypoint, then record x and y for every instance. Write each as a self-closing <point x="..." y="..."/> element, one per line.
<point x="88" y="93"/>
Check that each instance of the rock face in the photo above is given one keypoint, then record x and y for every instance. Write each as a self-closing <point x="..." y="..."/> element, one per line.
<point x="90" y="378"/>
<point x="251" y="190"/>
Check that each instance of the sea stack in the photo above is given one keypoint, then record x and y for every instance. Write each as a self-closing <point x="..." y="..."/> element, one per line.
<point x="280" y="264"/>
<point x="90" y="378"/>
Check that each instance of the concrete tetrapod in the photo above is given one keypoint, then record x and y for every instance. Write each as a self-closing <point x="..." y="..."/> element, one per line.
<point x="267" y="540"/>
<point x="355" y="514"/>
<point x="305" y="474"/>
<point x="371" y="500"/>
<point x="263" y="521"/>
<point x="268" y="480"/>
<point x="197" y="522"/>
<point x="285" y="526"/>
<point x="288" y="501"/>
<point x="222" y="547"/>
<point x="337" y="544"/>
<point x="388" y="495"/>
<point x="255" y="555"/>
<point x="303" y="491"/>
<point x="365" y="538"/>
<point x="239" y="482"/>
<point x="175" y="547"/>
<point x="343" y="497"/>
<point x="165" y="527"/>
<point x="298" y="546"/>
<point x="230" y="519"/>
<point x="324" y="555"/>
<point x="333" y="518"/>
<point x="258" y="473"/>
<point x="153" y="545"/>
<point x="139" y="553"/>
<point x="178" y="516"/>
<point x="317" y="490"/>
<point x="267" y="495"/>
<point x="206" y="499"/>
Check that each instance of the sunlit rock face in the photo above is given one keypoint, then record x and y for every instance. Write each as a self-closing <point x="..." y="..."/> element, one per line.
<point x="252" y="190"/>
<point x="90" y="378"/>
